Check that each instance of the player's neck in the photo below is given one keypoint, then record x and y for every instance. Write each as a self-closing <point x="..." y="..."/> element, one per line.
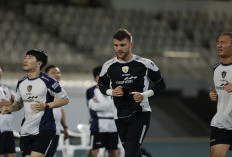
<point x="33" y="74"/>
<point x="227" y="60"/>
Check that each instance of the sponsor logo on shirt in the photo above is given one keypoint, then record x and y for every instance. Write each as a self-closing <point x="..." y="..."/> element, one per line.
<point x="127" y="80"/>
<point x="55" y="85"/>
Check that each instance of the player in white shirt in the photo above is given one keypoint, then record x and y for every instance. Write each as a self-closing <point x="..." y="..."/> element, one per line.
<point x="35" y="92"/>
<point x="103" y="129"/>
<point x="58" y="113"/>
<point x="7" y="143"/>
<point x="221" y="124"/>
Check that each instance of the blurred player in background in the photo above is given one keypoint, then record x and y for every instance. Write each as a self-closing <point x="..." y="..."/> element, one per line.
<point x="35" y="92"/>
<point x="221" y="124"/>
<point x="7" y="143"/>
<point x="58" y="113"/>
<point x="126" y="78"/>
<point x="103" y="129"/>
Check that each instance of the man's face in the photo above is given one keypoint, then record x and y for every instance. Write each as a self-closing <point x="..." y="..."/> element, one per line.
<point x="30" y="63"/>
<point x="224" y="46"/>
<point x="55" y="73"/>
<point x="123" y="49"/>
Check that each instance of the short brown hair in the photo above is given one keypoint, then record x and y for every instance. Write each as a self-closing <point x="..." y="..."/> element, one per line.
<point x="122" y="34"/>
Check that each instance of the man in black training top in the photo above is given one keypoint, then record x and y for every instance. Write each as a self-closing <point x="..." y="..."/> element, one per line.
<point x="126" y="78"/>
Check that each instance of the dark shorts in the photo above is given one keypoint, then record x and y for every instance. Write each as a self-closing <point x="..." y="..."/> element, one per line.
<point x="7" y="143"/>
<point x="52" y="149"/>
<point x="37" y="143"/>
<point x="107" y="140"/>
<point x="220" y="136"/>
<point x="132" y="131"/>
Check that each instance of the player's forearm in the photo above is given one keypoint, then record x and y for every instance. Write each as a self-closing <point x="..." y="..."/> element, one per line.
<point x="15" y="106"/>
<point x="159" y="86"/>
<point x="63" y="119"/>
<point x="58" y="103"/>
<point x="103" y="106"/>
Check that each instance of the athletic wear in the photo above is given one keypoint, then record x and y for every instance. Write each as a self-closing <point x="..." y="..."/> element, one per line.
<point x="6" y="119"/>
<point x="220" y="136"/>
<point x="7" y="143"/>
<point x="103" y="128"/>
<point x="38" y="143"/>
<point x="107" y="140"/>
<point x="53" y="147"/>
<point x="55" y="141"/>
<point x="132" y="119"/>
<point x="134" y="76"/>
<point x="223" y="117"/>
<point x="44" y="88"/>
<point x="132" y="131"/>
<point x="102" y="118"/>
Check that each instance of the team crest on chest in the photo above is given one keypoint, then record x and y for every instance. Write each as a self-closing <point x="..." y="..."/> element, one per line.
<point x="223" y="74"/>
<point x="125" y="69"/>
<point x="29" y="88"/>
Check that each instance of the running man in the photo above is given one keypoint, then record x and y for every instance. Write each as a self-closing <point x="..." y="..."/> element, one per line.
<point x="7" y="142"/>
<point x="103" y="128"/>
<point x="221" y="124"/>
<point x="35" y="92"/>
<point x="58" y="113"/>
<point x="126" y="78"/>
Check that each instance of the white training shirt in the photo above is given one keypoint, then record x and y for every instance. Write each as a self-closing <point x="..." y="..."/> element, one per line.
<point x="44" y="88"/>
<point x="101" y="112"/>
<point x="223" y="117"/>
<point x="58" y="115"/>
<point x="6" y="120"/>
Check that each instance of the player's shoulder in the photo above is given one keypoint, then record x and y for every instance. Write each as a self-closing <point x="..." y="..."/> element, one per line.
<point x="22" y="79"/>
<point x="91" y="89"/>
<point x="46" y="77"/>
<point x="217" y="65"/>
<point x="110" y="62"/>
<point x="147" y="62"/>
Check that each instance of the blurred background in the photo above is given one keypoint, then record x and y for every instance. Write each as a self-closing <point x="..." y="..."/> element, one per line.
<point x="178" y="35"/>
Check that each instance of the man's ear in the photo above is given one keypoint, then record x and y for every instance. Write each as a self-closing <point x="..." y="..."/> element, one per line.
<point x="131" y="44"/>
<point x="39" y="63"/>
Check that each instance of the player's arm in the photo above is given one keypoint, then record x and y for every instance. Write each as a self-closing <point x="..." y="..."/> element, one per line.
<point x="40" y="106"/>
<point x="158" y="81"/>
<point x="64" y="124"/>
<point x="15" y="106"/>
<point x="95" y="105"/>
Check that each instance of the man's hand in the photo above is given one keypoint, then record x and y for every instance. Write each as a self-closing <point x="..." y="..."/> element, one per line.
<point x="213" y="95"/>
<point x="118" y="91"/>
<point x="39" y="106"/>
<point x="138" y="97"/>
<point x="5" y="102"/>
<point x="5" y="109"/>
<point x="228" y="87"/>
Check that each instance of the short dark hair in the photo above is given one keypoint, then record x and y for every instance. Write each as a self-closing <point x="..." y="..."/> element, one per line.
<point x="122" y="34"/>
<point x="40" y="55"/>
<point x="49" y="67"/>
<point x="97" y="71"/>
<point x="226" y="34"/>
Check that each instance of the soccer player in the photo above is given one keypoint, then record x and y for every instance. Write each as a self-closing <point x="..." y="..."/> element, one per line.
<point x="221" y="124"/>
<point x="35" y="92"/>
<point x="7" y="143"/>
<point x="126" y="78"/>
<point x="58" y="113"/>
<point x="103" y="129"/>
